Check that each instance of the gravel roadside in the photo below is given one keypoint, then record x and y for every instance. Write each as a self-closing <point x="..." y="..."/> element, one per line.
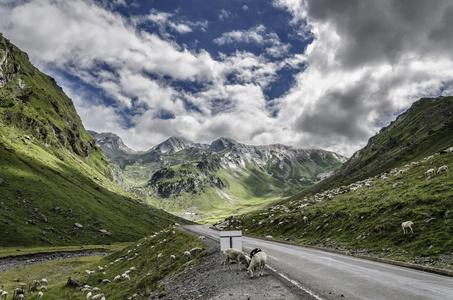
<point x="206" y="279"/>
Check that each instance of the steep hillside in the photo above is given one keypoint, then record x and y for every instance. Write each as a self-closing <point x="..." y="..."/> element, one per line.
<point x="55" y="183"/>
<point x="407" y="181"/>
<point x="425" y="128"/>
<point x="188" y="178"/>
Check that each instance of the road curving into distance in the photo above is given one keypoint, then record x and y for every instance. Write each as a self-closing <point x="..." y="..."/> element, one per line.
<point x="326" y="275"/>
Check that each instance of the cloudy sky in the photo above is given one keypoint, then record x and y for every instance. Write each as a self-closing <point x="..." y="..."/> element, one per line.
<point x="306" y="73"/>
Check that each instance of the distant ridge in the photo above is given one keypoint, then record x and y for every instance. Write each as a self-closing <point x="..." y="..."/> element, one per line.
<point x="180" y="175"/>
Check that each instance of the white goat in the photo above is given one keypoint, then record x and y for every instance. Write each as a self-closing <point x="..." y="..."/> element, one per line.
<point x="98" y="296"/>
<point x="430" y="172"/>
<point x="234" y="254"/>
<point x="258" y="261"/>
<point x="442" y="169"/>
<point x="406" y="226"/>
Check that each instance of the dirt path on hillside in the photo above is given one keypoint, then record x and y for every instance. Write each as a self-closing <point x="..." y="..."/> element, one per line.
<point x="22" y="261"/>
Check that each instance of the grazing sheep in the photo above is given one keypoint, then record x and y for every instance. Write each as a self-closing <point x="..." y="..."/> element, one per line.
<point x="305" y="219"/>
<point x="258" y="261"/>
<point x="43" y="287"/>
<point x="44" y="280"/>
<point x="117" y="277"/>
<point x="430" y="172"/>
<point x="172" y="257"/>
<point x="126" y="276"/>
<point x="106" y="281"/>
<point x="196" y="249"/>
<point x="40" y="294"/>
<point x="20" y="296"/>
<point x="187" y="254"/>
<point x="88" y="295"/>
<point x="201" y="237"/>
<point x="442" y="169"/>
<point x="98" y="296"/>
<point x="236" y="255"/>
<point x="406" y="226"/>
<point x="4" y="294"/>
<point x="159" y="256"/>
<point x="254" y="251"/>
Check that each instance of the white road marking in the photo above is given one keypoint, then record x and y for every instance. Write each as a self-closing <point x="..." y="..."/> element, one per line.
<point x="297" y="284"/>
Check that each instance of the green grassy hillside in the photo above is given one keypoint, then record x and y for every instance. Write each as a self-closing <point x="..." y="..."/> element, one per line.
<point x="366" y="216"/>
<point x="140" y="260"/>
<point x="425" y="128"/>
<point x="52" y="174"/>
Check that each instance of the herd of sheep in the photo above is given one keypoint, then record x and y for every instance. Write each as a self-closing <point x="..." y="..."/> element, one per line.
<point x="19" y="292"/>
<point x="256" y="260"/>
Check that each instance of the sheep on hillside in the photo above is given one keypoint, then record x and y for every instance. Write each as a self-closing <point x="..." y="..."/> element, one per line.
<point x="258" y="261"/>
<point x="430" y="172"/>
<point x="236" y="255"/>
<point x="442" y="169"/>
<point x="406" y="226"/>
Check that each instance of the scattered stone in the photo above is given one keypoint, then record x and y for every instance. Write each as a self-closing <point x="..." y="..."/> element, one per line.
<point x="162" y="294"/>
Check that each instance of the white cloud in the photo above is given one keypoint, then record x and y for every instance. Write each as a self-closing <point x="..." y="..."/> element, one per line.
<point x="256" y="35"/>
<point x="253" y="35"/>
<point x="369" y="60"/>
<point x="357" y="80"/>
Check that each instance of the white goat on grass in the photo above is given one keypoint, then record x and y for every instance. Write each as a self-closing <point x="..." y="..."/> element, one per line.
<point x="442" y="169"/>
<point x="406" y="226"/>
<point x="258" y="261"/>
<point x="236" y="255"/>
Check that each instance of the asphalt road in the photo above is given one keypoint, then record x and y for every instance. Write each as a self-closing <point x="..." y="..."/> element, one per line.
<point x="327" y="275"/>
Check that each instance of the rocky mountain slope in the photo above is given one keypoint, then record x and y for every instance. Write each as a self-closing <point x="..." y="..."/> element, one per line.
<point x="56" y="185"/>
<point x="404" y="173"/>
<point x="186" y="177"/>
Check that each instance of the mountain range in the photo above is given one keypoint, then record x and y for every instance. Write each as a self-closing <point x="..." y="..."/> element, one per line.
<point x="185" y="177"/>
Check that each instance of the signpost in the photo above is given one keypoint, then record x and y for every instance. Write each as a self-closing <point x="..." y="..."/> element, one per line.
<point x="230" y="239"/>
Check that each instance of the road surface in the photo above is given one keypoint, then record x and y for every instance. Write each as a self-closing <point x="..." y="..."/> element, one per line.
<point x="327" y="275"/>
